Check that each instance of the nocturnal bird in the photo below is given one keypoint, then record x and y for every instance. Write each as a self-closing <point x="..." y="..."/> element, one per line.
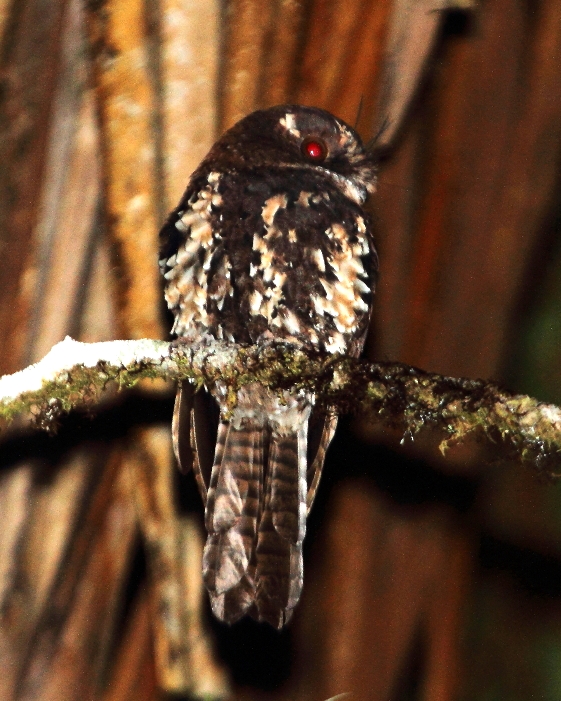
<point x="269" y="243"/>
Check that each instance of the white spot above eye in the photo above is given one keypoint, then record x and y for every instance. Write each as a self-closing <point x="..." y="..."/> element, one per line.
<point x="289" y="123"/>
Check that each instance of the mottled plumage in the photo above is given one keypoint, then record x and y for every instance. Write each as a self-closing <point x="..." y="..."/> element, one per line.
<point x="269" y="243"/>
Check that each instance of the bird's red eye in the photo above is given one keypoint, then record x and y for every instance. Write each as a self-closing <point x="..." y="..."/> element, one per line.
<point x="314" y="150"/>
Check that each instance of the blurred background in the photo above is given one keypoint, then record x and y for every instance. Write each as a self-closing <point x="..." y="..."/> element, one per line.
<point x="427" y="578"/>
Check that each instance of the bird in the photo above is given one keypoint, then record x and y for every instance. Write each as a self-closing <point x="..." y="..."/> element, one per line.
<point x="269" y="243"/>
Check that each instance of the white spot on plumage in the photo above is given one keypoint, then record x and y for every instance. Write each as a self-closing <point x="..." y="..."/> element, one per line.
<point x="354" y="190"/>
<point x="336" y="344"/>
<point x="266" y="258"/>
<point x="331" y="308"/>
<point x="208" y="260"/>
<point x="355" y="264"/>
<point x="272" y="233"/>
<point x="279" y="279"/>
<point x="189" y="218"/>
<point x="186" y="280"/>
<point x="317" y="257"/>
<point x="291" y="322"/>
<point x="344" y="292"/>
<point x="255" y="302"/>
<point x="361" y="305"/>
<point x="202" y="232"/>
<point x="328" y="289"/>
<point x="258" y="243"/>
<point x="272" y="206"/>
<point x="200" y="205"/>
<point x="361" y="286"/>
<point x="319" y="305"/>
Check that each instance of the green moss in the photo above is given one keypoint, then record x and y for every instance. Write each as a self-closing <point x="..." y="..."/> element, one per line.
<point x="394" y="393"/>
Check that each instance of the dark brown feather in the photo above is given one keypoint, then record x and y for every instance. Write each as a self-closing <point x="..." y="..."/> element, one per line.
<point x="183" y="445"/>
<point x="316" y="455"/>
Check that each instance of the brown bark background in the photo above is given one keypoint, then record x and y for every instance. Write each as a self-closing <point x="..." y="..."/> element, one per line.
<point x="426" y="578"/>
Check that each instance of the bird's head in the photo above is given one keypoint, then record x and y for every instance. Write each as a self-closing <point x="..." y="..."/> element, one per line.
<point x="305" y="138"/>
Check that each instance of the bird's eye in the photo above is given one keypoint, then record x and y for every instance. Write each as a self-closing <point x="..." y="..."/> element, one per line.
<point x="314" y="150"/>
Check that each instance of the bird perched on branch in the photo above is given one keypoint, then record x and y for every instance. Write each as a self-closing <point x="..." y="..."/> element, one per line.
<point x="269" y="243"/>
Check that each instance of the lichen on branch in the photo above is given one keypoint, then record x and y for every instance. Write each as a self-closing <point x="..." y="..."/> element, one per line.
<point x="74" y="374"/>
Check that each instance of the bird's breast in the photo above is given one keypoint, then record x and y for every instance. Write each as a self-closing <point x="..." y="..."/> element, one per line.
<point x="291" y="264"/>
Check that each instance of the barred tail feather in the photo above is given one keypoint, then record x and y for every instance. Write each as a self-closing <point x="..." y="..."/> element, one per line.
<point x="232" y="605"/>
<point x="279" y="564"/>
<point x="256" y="511"/>
<point x="232" y="514"/>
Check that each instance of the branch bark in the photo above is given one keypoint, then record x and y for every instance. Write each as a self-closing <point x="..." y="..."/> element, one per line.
<point x="73" y="374"/>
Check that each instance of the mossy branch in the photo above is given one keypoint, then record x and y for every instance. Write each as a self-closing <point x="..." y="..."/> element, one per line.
<point x="73" y="374"/>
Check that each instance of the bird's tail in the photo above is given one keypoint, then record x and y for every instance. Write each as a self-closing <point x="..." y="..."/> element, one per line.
<point x="280" y="571"/>
<point x="256" y="521"/>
